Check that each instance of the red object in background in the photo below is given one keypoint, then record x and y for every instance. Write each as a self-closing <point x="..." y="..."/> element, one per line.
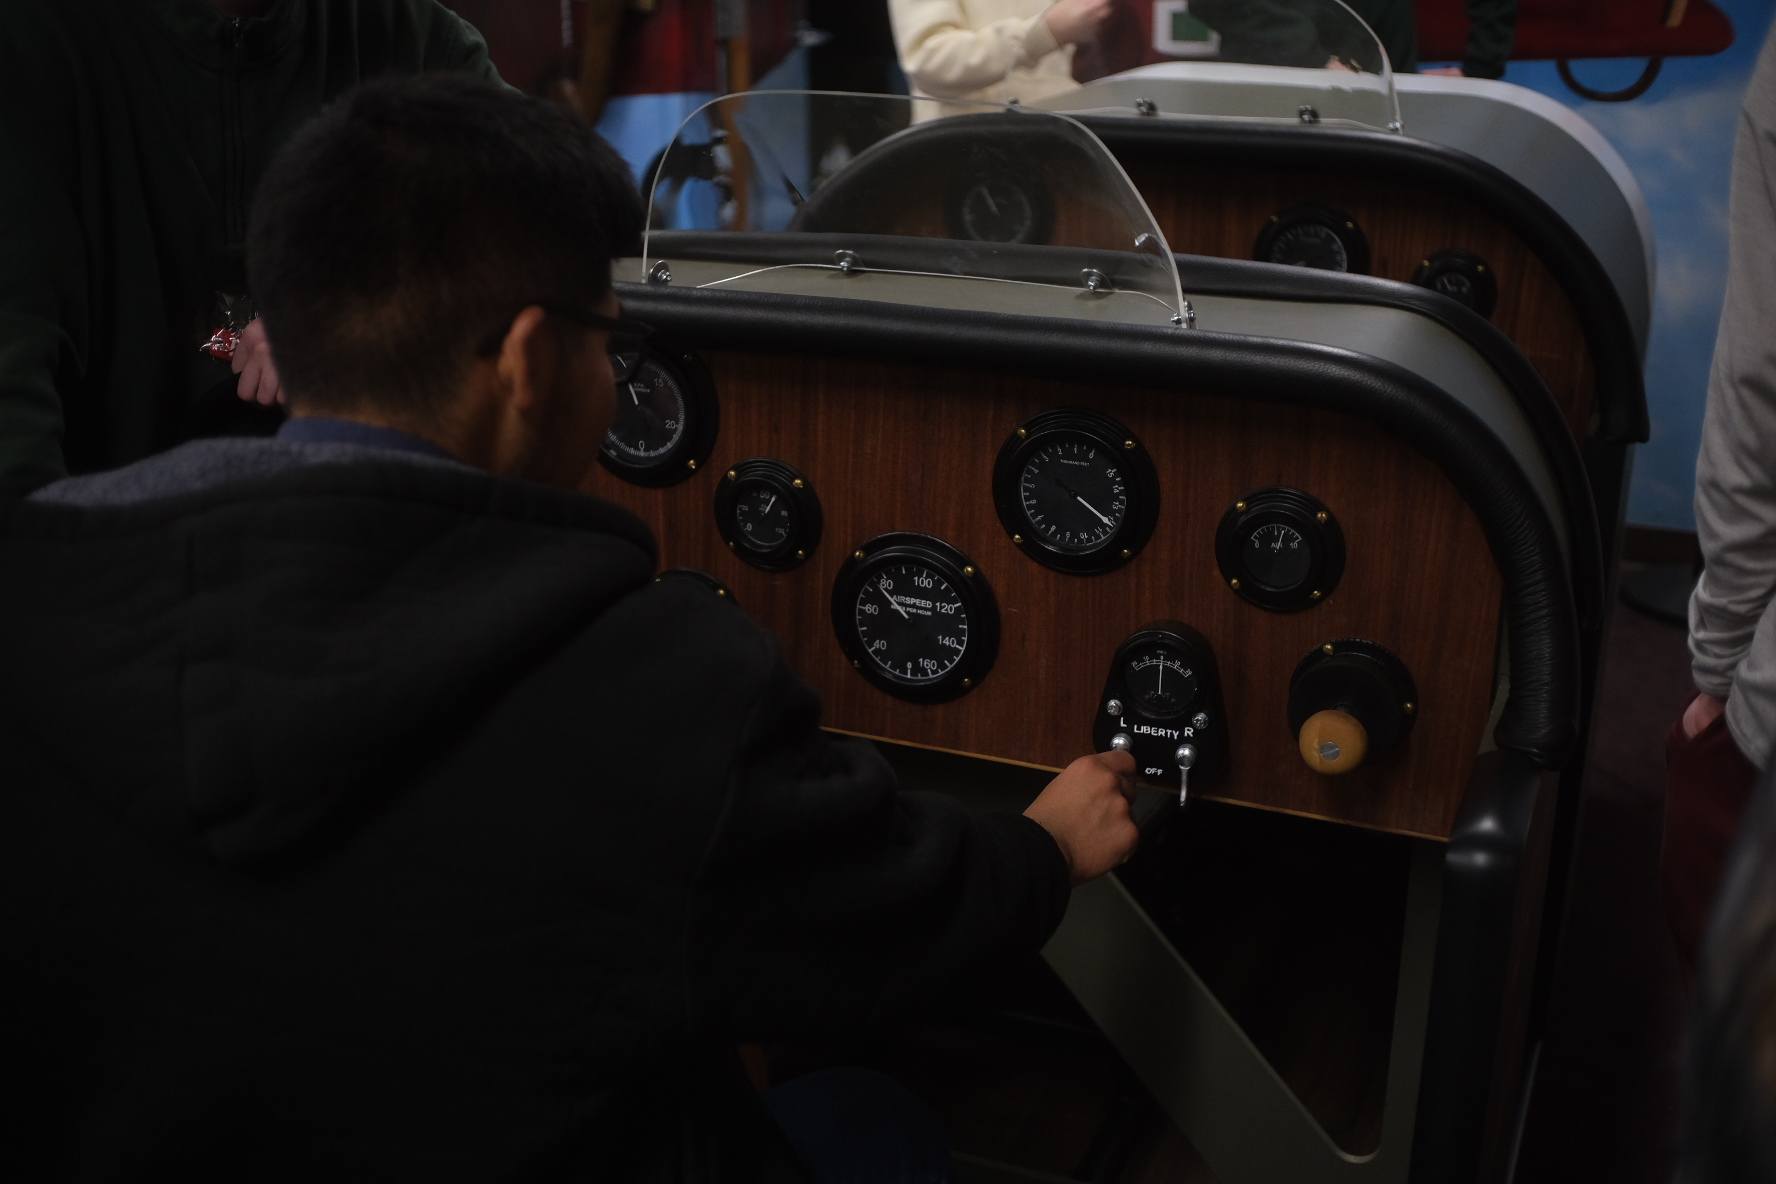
<point x="668" y="50"/>
<point x="1563" y="29"/>
<point x="1571" y="29"/>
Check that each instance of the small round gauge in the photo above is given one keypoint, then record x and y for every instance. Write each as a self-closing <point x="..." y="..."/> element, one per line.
<point x="1463" y="277"/>
<point x="1077" y="491"/>
<point x="1160" y="681"/>
<point x="701" y="578"/>
<point x="999" y="203"/>
<point x="915" y="617"/>
<point x="666" y="416"/>
<point x="1313" y="236"/>
<point x="1281" y="549"/>
<point x="768" y="513"/>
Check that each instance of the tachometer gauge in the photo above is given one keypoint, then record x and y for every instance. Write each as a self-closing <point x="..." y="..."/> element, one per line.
<point x="1077" y="491"/>
<point x="1280" y="549"/>
<point x="1313" y="236"/>
<point x="915" y="617"/>
<point x="768" y="514"/>
<point x="666" y="416"/>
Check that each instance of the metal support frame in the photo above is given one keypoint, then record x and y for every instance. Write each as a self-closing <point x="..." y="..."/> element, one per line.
<point x="1201" y="1067"/>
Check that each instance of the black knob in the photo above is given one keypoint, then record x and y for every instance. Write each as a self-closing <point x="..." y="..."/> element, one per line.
<point x="1348" y="701"/>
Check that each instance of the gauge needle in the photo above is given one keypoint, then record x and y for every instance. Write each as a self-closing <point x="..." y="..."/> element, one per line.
<point x="1093" y="509"/>
<point x="1162" y="678"/>
<point x="1279" y="544"/>
<point x="633" y="397"/>
<point x="891" y="604"/>
<point x="991" y="204"/>
<point x="769" y="504"/>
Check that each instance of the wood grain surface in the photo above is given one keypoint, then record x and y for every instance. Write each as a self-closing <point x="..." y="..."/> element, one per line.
<point x="1219" y="208"/>
<point x="903" y="446"/>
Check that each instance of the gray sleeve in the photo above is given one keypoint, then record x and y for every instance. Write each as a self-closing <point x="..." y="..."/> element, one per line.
<point x="1736" y="469"/>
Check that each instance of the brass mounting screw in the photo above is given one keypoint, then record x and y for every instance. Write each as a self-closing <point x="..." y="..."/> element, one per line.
<point x="691" y="465"/>
<point x="1409" y="708"/>
<point x="1129" y="445"/>
<point x="968" y="682"/>
<point x="721" y="591"/>
<point x="857" y="554"/>
<point x="1127" y="554"/>
<point x="1321" y="516"/>
<point x="1424" y="262"/>
<point x="1314" y="595"/>
<point x="1239" y="507"/>
<point x="968" y="571"/>
<point x="1327" y="648"/>
<point x="799" y="483"/>
<point x="1018" y="539"/>
<point x="1022" y="434"/>
<point x="801" y="554"/>
<point x="856" y="664"/>
<point x="1234" y="583"/>
<point x="733" y="476"/>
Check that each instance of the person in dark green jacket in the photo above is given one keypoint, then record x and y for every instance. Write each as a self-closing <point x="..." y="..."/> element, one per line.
<point x="132" y="136"/>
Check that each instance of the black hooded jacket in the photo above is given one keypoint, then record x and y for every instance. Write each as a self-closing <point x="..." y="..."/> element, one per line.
<point x="367" y="817"/>
<point x="132" y="136"/>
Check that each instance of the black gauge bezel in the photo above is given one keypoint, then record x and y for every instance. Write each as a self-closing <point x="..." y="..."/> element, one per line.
<point x="700" y="578"/>
<point x="1342" y="225"/>
<point x="1478" y="271"/>
<point x="688" y="457"/>
<point x="1385" y="698"/>
<point x="1136" y="529"/>
<point x="1301" y="512"/>
<point x="985" y="168"/>
<point x="960" y="573"/>
<point x="791" y="485"/>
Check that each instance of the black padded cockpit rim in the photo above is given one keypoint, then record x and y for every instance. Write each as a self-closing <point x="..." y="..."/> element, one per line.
<point x="1621" y="389"/>
<point x="1540" y="716"/>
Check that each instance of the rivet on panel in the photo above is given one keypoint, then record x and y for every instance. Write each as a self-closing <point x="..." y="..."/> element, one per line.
<point x="1328" y="648"/>
<point x="857" y="554"/>
<point x="801" y="554"/>
<point x="1129" y="444"/>
<point x="691" y="465"/>
<point x="1314" y="595"/>
<point x="1022" y="434"/>
<point x="1127" y="554"/>
<point x="1234" y="583"/>
<point x="1239" y="507"/>
<point x="1018" y="539"/>
<point x="1321" y="517"/>
<point x="969" y="572"/>
<point x="799" y="483"/>
<point x="732" y="475"/>
<point x="1408" y="708"/>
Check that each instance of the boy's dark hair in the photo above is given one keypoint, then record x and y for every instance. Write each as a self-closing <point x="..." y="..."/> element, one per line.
<point x="1729" y="1132"/>
<point x="415" y="217"/>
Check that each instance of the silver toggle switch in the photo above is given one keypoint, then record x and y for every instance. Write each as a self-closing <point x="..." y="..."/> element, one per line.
<point x="1186" y="758"/>
<point x="1121" y="742"/>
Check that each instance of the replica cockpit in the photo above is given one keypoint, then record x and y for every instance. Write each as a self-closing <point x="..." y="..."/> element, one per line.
<point x="1265" y="418"/>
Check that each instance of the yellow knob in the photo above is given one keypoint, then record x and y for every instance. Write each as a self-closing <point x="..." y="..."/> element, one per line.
<point x="1333" y="742"/>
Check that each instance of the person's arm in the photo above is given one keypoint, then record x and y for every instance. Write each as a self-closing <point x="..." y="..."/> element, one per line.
<point x="943" y="55"/>
<point x="1492" y="29"/>
<point x="829" y="899"/>
<point x="44" y="298"/>
<point x="1735" y="479"/>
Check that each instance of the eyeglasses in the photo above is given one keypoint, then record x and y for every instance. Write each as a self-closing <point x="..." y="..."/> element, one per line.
<point x="627" y="337"/>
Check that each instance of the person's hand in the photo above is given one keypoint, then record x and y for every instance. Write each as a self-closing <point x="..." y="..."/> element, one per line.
<point x="1086" y="809"/>
<point x="1702" y="711"/>
<point x="258" y="373"/>
<point x="1446" y="71"/>
<point x="1073" y="21"/>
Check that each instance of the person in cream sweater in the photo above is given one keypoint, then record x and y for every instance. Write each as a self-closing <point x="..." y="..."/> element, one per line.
<point x="992" y="50"/>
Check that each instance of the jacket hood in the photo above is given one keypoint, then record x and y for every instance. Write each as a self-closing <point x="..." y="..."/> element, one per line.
<point x="240" y="665"/>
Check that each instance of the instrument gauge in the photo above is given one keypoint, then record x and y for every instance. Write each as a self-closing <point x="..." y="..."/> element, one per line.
<point x="998" y="200"/>
<point x="1077" y="491"/>
<point x="915" y="617"/>
<point x="768" y="514"/>
<point x="1463" y="277"/>
<point x="1313" y="236"/>
<point x="666" y="416"/>
<point x="1160" y="681"/>
<point x="1281" y="549"/>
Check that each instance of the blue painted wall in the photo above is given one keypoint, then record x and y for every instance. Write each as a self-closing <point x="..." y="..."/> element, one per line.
<point x="1678" y="139"/>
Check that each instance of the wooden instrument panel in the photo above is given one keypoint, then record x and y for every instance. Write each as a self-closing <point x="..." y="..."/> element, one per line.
<point x="1219" y="208"/>
<point x="905" y="446"/>
<point x="1404" y="225"/>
